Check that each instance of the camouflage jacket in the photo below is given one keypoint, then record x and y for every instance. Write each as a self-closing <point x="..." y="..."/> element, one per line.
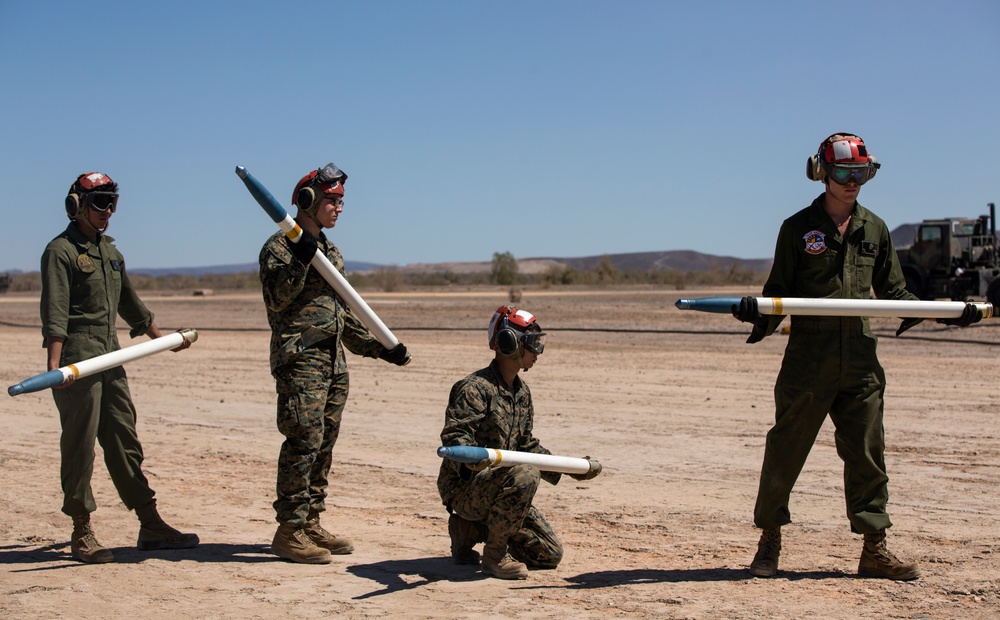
<point x="85" y="288"/>
<point x="483" y="412"/>
<point x="304" y="311"/>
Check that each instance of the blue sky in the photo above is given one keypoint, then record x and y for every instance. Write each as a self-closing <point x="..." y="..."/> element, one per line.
<point x="559" y="128"/>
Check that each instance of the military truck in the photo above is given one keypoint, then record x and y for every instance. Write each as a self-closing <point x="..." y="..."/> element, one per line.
<point x="5" y="280"/>
<point x="954" y="258"/>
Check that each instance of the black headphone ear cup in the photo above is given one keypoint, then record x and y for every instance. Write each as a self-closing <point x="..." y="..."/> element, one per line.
<point x="72" y="205"/>
<point x="506" y="341"/>
<point x="305" y="198"/>
<point x="814" y="170"/>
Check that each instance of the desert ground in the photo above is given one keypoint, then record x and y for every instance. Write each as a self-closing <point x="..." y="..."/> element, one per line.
<point x="674" y="404"/>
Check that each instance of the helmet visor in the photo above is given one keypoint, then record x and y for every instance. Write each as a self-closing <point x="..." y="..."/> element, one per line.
<point x="101" y="201"/>
<point x="842" y="175"/>
<point x="534" y="342"/>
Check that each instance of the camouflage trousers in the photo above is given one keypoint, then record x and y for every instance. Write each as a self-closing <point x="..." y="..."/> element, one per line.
<point x="500" y="498"/>
<point x="311" y="401"/>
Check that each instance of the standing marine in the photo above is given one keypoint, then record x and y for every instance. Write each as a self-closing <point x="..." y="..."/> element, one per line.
<point x="85" y="288"/>
<point x="310" y="326"/>
<point x="837" y="249"/>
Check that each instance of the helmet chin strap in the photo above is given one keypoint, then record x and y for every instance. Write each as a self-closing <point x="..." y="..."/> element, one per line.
<point x="518" y="354"/>
<point x="89" y="226"/>
<point x="311" y="214"/>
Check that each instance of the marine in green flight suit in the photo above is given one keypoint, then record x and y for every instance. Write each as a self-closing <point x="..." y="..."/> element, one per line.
<point x="835" y="249"/>
<point x="85" y="287"/>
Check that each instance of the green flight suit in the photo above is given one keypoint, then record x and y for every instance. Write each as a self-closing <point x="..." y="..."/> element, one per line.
<point x="84" y="289"/>
<point x="830" y="363"/>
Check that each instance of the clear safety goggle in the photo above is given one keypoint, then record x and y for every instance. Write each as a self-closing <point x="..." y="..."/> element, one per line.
<point x="534" y="342"/>
<point x="842" y="175"/>
<point x="101" y="201"/>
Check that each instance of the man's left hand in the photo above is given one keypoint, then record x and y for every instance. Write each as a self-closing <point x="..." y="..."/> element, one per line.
<point x="186" y="341"/>
<point x="595" y="468"/>
<point x="970" y="314"/>
<point x="396" y="355"/>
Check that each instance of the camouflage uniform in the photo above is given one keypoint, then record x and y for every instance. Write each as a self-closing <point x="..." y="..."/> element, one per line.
<point x="84" y="289"/>
<point x="830" y="363"/>
<point x="482" y="411"/>
<point x="309" y="324"/>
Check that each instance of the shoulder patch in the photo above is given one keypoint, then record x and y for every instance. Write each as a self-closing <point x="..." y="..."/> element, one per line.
<point x="86" y="265"/>
<point x="815" y="242"/>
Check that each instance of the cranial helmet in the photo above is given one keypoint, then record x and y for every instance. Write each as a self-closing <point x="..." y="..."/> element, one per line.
<point x="841" y="150"/>
<point x="326" y="181"/>
<point x="511" y="329"/>
<point x="94" y="189"/>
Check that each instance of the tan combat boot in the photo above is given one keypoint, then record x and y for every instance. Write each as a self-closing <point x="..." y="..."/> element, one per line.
<point x="85" y="546"/>
<point x="878" y="561"/>
<point x="465" y="535"/>
<point x="765" y="562"/>
<point x="292" y="543"/>
<point x="337" y="545"/>
<point x="497" y="562"/>
<point x="155" y="534"/>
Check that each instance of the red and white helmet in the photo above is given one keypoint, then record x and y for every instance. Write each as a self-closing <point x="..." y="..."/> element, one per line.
<point x="510" y="328"/>
<point x="844" y="149"/>
<point x="94" y="189"/>
<point x="326" y="181"/>
<point x="846" y="154"/>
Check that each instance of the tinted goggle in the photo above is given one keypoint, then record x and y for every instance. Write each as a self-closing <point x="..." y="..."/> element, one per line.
<point x="101" y="201"/>
<point x="843" y="175"/>
<point x="534" y="342"/>
<point x="329" y="174"/>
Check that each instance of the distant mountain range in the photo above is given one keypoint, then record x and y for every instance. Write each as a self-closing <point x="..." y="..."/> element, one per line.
<point x="227" y="269"/>
<point x="679" y="260"/>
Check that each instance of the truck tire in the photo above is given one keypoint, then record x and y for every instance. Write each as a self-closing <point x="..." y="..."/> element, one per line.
<point x="993" y="293"/>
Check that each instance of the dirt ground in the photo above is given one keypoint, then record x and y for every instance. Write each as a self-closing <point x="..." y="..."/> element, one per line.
<point x="676" y="410"/>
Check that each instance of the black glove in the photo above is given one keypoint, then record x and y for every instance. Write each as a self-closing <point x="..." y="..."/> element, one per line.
<point x="396" y="355"/>
<point x="595" y="468"/>
<point x="746" y="310"/>
<point x="907" y="324"/>
<point x="971" y="314"/>
<point x="305" y="248"/>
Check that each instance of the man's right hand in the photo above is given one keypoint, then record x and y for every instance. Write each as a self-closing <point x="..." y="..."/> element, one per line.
<point x="480" y="466"/>
<point x="305" y="248"/>
<point x="747" y="310"/>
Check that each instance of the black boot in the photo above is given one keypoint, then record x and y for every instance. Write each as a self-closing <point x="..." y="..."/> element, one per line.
<point x="155" y="534"/>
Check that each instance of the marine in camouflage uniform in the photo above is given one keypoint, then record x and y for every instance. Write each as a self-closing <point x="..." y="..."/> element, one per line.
<point x="834" y="249"/>
<point x="310" y="326"/>
<point x="85" y="287"/>
<point x="492" y="408"/>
